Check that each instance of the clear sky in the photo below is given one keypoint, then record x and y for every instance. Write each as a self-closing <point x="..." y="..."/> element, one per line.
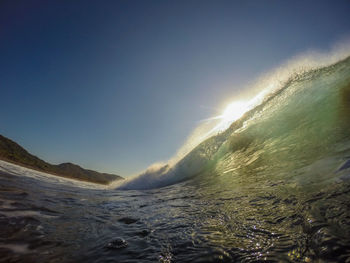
<point x="118" y="85"/>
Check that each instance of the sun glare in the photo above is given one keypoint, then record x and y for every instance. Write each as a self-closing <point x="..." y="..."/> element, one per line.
<point x="232" y="112"/>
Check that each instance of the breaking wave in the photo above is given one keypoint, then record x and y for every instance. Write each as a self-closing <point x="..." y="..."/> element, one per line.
<point x="299" y="121"/>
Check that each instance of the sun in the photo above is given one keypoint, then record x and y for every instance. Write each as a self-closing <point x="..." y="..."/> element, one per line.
<point x="232" y="112"/>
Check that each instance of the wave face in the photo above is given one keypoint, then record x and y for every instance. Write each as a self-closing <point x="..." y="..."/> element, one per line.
<point x="303" y="126"/>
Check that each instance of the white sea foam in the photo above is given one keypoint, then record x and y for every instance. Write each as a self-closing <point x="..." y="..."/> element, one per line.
<point x="17" y="170"/>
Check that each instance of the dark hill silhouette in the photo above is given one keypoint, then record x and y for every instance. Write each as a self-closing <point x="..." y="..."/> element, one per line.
<point x="12" y="152"/>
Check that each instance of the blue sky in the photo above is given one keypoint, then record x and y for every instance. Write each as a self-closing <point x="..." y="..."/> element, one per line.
<point x="118" y="85"/>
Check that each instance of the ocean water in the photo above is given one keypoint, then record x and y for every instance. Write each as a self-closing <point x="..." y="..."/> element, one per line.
<point x="273" y="187"/>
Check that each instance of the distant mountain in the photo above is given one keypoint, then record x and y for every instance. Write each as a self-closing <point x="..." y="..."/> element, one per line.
<point x="12" y="152"/>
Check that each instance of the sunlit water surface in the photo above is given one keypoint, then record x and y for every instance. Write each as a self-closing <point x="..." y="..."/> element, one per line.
<point x="217" y="220"/>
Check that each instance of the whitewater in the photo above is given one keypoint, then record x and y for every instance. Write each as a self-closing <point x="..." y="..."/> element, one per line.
<point x="271" y="184"/>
